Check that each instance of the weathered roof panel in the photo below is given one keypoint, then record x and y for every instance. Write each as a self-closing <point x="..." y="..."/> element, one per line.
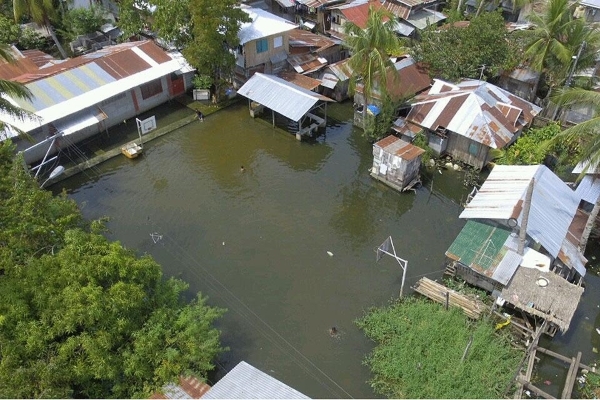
<point x="247" y="382"/>
<point x="475" y="109"/>
<point x="263" y="24"/>
<point x="283" y="97"/>
<point x="553" y="205"/>
<point x="589" y="189"/>
<point x="84" y="81"/>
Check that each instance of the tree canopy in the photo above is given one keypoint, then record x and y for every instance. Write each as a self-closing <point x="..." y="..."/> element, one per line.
<point x="420" y="353"/>
<point x="454" y="52"/>
<point x="84" y="317"/>
<point x="205" y="30"/>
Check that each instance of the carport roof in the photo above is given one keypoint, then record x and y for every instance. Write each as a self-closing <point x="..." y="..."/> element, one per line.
<point x="285" y="98"/>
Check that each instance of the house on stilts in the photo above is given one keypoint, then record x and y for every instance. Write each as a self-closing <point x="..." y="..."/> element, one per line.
<point x="522" y="242"/>
<point x="307" y="109"/>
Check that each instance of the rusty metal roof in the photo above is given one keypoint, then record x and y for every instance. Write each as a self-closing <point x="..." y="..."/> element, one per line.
<point x="552" y="211"/>
<point x="407" y="79"/>
<point x="300" y="80"/>
<point x="359" y="14"/>
<point x="304" y="38"/>
<point x="283" y="97"/>
<point x="306" y="63"/>
<point x="75" y="84"/>
<point x="341" y="69"/>
<point x="187" y="388"/>
<point x="21" y="64"/>
<point x="247" y="382"/>
<point x="399" y="147"/>
<point x="475" y="109"/>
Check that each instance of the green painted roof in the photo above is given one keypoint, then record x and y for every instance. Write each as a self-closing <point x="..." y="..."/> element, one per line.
<point x="479" y="246"/>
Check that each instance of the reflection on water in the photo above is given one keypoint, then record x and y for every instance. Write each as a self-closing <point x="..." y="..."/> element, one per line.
<point x="287" y="246"/>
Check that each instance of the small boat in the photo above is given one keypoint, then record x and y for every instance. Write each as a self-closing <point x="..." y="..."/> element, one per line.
<point x="132" y="150"/>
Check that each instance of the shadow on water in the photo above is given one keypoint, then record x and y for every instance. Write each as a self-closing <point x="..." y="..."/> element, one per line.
<point x="287" y="245"/>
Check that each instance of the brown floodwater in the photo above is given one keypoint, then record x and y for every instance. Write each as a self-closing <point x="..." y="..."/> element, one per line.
<point x="287" y="244"/>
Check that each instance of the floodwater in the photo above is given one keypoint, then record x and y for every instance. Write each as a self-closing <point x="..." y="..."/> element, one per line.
<point x="287" y="244"/>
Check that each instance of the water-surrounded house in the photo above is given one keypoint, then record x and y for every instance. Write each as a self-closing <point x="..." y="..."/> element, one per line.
<point x="75" y="99"/>
<point x="403" y="82"/>
<point x="396" y="162"/>
<point x="264" y="45"/>
<point x="306" y="109"/>
<point x="522" y="243"/>
<point x="335" y="80"/>
<point x="468" y="119"/>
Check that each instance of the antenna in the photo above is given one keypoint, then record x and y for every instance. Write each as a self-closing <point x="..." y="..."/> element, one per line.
<point x="481" y="74"/>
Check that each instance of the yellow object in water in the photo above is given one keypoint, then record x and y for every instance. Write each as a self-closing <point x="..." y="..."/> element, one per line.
<point x="503" y="324"/>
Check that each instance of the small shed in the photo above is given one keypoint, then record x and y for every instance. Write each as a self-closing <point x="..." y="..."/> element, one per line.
<point x="396" y="163"/>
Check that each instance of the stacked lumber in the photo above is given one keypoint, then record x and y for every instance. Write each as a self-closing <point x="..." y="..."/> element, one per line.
<point x="439" y="293"/>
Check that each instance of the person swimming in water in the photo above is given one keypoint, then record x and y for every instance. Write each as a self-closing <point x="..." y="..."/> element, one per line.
<point x="242" y="169"/>
<point x="333" y="331"/>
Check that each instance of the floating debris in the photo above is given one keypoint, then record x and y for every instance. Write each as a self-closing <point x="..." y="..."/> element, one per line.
<point x="155" y="237"/>
<point x="330" y="254"/>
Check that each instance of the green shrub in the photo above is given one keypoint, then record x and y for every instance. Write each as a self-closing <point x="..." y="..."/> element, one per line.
<point x="420" y="352"/>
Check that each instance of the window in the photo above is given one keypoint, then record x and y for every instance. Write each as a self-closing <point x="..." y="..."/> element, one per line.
<point x="277" y="42"/>
<point x="262" y="45"/>
<point x="473" y="148"/>
<point x="151" y="89"/>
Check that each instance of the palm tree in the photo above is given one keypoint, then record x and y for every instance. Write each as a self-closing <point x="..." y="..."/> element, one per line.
<point x="41" y="12"/>
<point x="14" y="90"/>
<point x="556" y="40"/>
<point x="370" y="49"/>
<point x="587" y="134"/>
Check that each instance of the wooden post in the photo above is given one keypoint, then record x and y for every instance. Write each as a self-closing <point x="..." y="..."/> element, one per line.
<point x="273" y="114"/>
<point x="447" y="300"/>
<point x="571" y="376"/>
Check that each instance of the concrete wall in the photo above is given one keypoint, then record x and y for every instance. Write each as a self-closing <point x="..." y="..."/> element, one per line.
<point x="117" y="108"/>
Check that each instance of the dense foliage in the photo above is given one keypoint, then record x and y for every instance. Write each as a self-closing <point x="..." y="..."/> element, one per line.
<point x="420" y="348"/>
<point x="84" y="317"/>
<point x="80" y="21"/>
<point x="456" y="52"/>
<point x="205" y="30"/>
<point x="535" y="145"/>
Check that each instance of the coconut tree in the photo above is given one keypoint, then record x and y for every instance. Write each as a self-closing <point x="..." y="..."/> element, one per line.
<point x="370" y="49"/>
<point x="587" y="135"/>
<point x="11" y="89"/>
<point x="557" y="40"/>
<point x="41" y="12"/>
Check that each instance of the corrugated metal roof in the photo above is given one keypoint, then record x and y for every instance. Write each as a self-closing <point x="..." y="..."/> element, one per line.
<point x="406" y="128"/>
<point x="283" y="97"/>
<point x="553" y="206"/>
<point x="589" y="189"/>
<point x="21" y="64"/>
<point x="505" y="270"/>
<point x="421" y="19"/>
<point x="247" y="382"/>
<point x="399" y="147"/>
<point x="590" y="3"/>
<point x="475" y="109"/>
<point x="300" y="80"/>
<point x="63" y="89"/>
<point x="286" y="3"/>
<point x="188" y="388"/>
<point x="479" y="246"/>
<point x="359" y="14"/>
<point x="403" y="28"/>
<point x="341" y="69"/>
<point x="306" y="63"/>
<point x="301" y="38"/>
<point x="263" y="24"/>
